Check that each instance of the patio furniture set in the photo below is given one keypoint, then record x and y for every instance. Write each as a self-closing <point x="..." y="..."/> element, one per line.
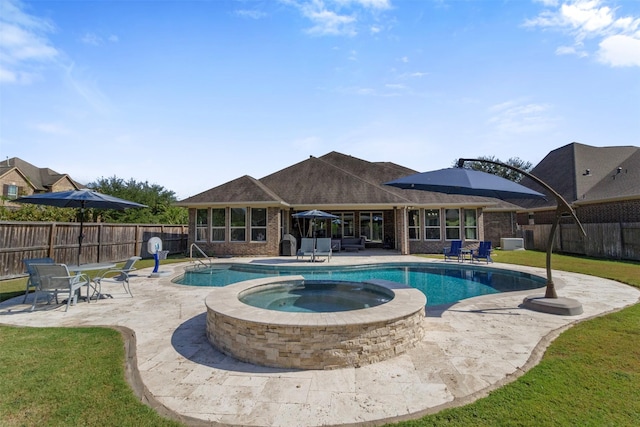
<point x="456" y="251"/>
<point x="49" y="279"/>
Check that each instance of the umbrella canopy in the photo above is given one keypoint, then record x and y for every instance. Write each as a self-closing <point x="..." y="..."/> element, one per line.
<point x="82" y="199"/>
<point x="467" y="182"/>
<point x="315" y="214"/>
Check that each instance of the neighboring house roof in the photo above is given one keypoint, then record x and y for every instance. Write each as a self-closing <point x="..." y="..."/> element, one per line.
<point x="42" y="179"/>
<point x="585" y="174"/>
<point x="332" y="181"/>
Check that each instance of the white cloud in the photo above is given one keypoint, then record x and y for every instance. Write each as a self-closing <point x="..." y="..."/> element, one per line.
<point x="252" y="14"/>
<point x="97" y="40"/>
<point x="92" y="39"/>
<point x="516" y="117"/>
<point x="617" y="38"/>
<point x="620" y="51"/>
<point x="340" y="17"/>
<point x="23" y="43"/>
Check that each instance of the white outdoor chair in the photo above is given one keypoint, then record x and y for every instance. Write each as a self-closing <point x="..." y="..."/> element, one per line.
<point x="323" y="247"/>
<point x="32" y="281"/>
<point x="54" y="279"/>
<point x="117" y="275"/>
<point x="306" y="247"/>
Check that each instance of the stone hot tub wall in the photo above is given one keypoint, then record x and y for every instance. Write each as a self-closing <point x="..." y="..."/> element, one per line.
<point x="314" y="340"/>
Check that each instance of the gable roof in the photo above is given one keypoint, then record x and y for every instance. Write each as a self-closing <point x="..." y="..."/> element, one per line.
<point x="332" y="181"/>
<point x="585" y="174"/>
<point x="242" y="191"/>
<point x="42" y="179"/>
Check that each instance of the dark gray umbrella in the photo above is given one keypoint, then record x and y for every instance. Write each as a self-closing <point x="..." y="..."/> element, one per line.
<point x="475" y="183"/>
<point x="313" y="215"/>
<point x="82" y="199"/>
<point x="465" y="181"/>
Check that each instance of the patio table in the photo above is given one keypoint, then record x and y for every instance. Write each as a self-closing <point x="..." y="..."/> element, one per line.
<point x="78" y="269"/>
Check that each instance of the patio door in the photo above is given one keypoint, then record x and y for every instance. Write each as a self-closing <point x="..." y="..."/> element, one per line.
<point x="372" y="226"/>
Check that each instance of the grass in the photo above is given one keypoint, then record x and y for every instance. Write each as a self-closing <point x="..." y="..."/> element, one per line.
<point x="589" y="376"/>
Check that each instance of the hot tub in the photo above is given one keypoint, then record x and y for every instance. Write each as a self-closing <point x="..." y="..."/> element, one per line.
<point x="314" y="340"/>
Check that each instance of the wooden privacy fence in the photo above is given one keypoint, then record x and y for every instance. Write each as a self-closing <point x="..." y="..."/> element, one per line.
<point x="605" y="240"/>
<point x="102" y="242"/>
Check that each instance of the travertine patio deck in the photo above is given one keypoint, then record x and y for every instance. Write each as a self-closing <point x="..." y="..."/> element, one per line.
<point x="469" y="349"/>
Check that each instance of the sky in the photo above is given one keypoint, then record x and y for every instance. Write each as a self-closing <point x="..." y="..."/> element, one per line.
<point x="189" y="95"/>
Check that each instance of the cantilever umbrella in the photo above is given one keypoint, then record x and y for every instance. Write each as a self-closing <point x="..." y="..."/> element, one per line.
<point x="313" y="215"/>
<point x="467" y="182"/>
<point x="82" y="199"/>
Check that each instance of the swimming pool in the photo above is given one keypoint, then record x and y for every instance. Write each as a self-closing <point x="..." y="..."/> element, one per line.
<point x="442" y="284"/>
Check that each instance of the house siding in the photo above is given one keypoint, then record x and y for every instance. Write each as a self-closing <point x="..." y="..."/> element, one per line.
<point x="498" y="225"/>
<point x="14" y="178"/>
<point x="605" y="212"/>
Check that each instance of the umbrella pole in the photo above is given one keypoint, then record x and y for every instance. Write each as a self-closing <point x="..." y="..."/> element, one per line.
<point x="80" y="236"/>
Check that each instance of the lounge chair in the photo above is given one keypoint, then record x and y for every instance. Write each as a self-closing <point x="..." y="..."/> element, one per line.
<point x="117" y="275"/>
<point x="306" y="247"/>
<point x="455" y="251"/>
<point x="483" y="252"/>
<point x="54" y="279"/>
<point x="323" y="247"/>
<point x="32" y="281"/>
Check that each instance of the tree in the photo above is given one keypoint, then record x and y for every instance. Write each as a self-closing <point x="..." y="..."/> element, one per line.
<point x="499" y="170"/>
<point x="28" y="212"/>
<point x="159" y="200"/>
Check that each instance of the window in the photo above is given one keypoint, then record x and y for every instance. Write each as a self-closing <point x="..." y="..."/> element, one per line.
<point x="238" y="224"/>
<point x="11" y="191"/>
<point x="452" y="224"/>
<point x="470" y="224"/>
<point x="371" y="226"/>
<point x="258" y="224"/>
<point x="414" y="224"/>
<point x="343" y="226"/>
<point x="202" y="225"/>
<point x="432" y="224"/>
<point x="218" y="225"/>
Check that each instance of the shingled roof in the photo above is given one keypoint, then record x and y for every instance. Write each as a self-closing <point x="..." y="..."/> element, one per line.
<point x="42" y="179"/>
<point x="332" y="181"/>
<point x="585" y="174"/>
<point x="241" y="191"/>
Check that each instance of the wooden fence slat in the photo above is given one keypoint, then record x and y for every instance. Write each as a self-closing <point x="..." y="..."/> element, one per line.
<point x="102" y="242"/>
<point x="603" y="240"/>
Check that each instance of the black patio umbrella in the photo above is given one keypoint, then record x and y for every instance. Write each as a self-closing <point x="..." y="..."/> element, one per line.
<point x="313" y="215"/>
<point x="82" y="199"/>
<point x="470" y="182"/>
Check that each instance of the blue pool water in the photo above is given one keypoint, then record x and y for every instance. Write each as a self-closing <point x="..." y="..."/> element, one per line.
<point x="311" y="296"/>
<point x="442" y="284"/>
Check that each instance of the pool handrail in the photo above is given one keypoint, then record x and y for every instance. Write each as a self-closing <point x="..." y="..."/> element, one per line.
<point x="193" y="245"/>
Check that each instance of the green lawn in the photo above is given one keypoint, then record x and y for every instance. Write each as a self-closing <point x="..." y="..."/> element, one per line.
<point x="590" y="375"/>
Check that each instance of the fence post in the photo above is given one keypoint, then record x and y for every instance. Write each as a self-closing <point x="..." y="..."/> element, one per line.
<point x="52" y="239"/>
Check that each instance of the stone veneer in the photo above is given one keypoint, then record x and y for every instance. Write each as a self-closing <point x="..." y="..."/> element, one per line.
<point x="314" y="340"/>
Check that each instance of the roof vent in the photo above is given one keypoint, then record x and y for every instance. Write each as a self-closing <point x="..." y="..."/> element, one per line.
<point x="587" y="172"/>
<point x="619" y="169"/>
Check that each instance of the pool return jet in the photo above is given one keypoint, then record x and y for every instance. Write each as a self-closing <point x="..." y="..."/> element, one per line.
<point x="460" y="180"/>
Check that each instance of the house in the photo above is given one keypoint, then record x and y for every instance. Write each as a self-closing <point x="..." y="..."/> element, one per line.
<point x="249" y="216"/>
<point x="602" y="184"/>
<point x="19" y="178"/>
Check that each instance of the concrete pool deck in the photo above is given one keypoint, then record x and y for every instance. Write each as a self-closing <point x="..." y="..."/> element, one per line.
<point x="469" y="349"/>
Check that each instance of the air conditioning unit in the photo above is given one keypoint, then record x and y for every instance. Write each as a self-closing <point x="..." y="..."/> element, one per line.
<point x="512" y="244"/>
